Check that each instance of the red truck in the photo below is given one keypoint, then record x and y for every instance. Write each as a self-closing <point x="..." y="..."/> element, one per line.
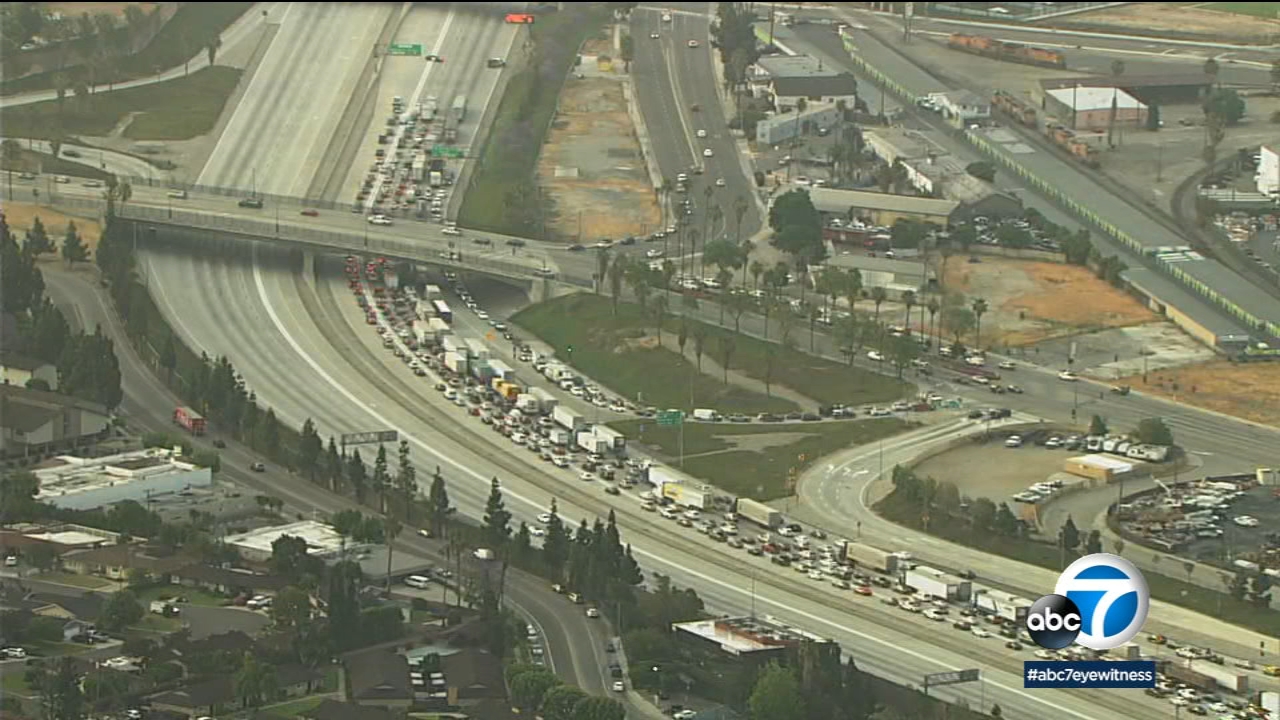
<point x="190" y="420"/>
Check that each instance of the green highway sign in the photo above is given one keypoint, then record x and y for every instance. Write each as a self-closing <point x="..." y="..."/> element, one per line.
<point x="670" y="417"/>
<point x="446" y="151"/>
<point x="414" y="49"/>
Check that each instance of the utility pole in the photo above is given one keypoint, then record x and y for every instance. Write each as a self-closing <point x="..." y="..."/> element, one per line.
<point x="772" y="8"/>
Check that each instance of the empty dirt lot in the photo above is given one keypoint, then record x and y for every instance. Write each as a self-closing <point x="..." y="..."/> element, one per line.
<point x="1178" y="19"/>
<point x="993" y="471"/>
<point x="1032" y="301"/>
<point x="1246" y="390"/>
<point x="592" y="169"/>
<point x="20" y="215"/>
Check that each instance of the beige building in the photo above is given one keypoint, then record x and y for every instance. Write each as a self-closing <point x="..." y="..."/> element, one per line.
<point x="1089" y="108"/>
<point x="37" y="422"/>
<point x="18" y="370"/>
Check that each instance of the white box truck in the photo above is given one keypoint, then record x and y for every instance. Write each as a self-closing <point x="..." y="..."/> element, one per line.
<point x="502" y="370"/>
<point x="456" y="362"/>
<point x="560" y="436"/>
<point x="758" y="513"/>
<point x="687" y="496"/>
<point x="432" y="292"/>
<point x="477" y="349"/>
<point x="546" y="401"/>
<point x="706" y="415"/>
<point x="1001" y="604"/>
<point x="616" y="440"/>
<point x="934" y="582"/>
<point x="439" y="328"/>
<point x="453" y="344"/>
<point x="526" y="403"/>
<point x="567" y="418"/>
<point x="660" y="476"/>
<point x="592" y="443"/>
<point x="1226" y="678"/>
<point x="865" y="557"/>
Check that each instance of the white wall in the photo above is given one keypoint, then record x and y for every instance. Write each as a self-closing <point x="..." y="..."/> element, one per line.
<point x="1268" y="171"/>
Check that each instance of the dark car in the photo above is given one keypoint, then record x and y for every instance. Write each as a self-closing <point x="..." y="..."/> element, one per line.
<point x="515" y="242"/>
<point x="629" y="240"/>
<point x="309" y="212"/>
<point x="577" y="248"/>
<point x="252" y="202"/>
<point x="258" y="467"/>
<point x="220" y="444"/>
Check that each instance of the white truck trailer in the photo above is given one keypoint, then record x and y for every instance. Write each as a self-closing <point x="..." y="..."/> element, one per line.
<point x="865" y="557"/>
<point x="502" y="370"/>
<point x="936" y="583"/>
<point x="567" y="418"/>
<point x="687" y="496"/>
<point x="660" y="476"/>
<point x="546" y="401"/>
<point x="617" y="441"/>
<point x="758" y="513"/>
<point x="456" y="361"/>
<point x="1001" y="604"/>
<point x="592" y="443"/>
<point x="477" y="349"/>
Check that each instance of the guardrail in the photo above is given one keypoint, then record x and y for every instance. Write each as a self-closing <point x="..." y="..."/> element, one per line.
<point x="1051" y="191"/>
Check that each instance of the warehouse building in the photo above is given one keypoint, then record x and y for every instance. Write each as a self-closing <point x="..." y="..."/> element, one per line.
<point x="881" y="208"/>
<point x="80" y="483"/>
<point x="768" y="68"/>
<point x="1164" y="89"/>
<point x="1089" y="108"/>
<point x="781" y="127"/>
<point x="1192" y="314"/>
<point x="1103" y="468"/>
<point x="758" y="639"/>
<point x="321" y="539"/>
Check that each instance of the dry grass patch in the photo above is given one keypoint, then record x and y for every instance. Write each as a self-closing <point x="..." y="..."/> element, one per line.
<point x="1245" y="390"/>
<point x="20" y="216"/>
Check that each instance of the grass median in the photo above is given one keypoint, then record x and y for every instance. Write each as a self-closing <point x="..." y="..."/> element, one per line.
<point x="178" y="109"/>
<point x="754" y="460"/>
<point x="621" y="352"/>
<point x="501" y="196"/>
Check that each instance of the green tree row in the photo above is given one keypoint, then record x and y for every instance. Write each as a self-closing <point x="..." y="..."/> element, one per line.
<point x="537" y="691"/>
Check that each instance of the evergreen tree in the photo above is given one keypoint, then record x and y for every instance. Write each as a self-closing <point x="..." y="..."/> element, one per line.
<point x="21" y="284"/>
<point x="333" y="465"/>
<point x="523" y="546"/>
<point x="1069" y="535"/>
<point x="357" y="475"/>
<point x="309" y="449"/>
<point x="268" y="433"/>
<point x="381" y="478"/>
<point x="406" y="480"/>
<point x="555" y="546"/>
<point x="777" y="695"/>
<point x="73" y="249"/>
<point x="38" y="241"/>
<point x="50" y="333"/>
<point x="438" y="503"/>
<point x="497" y="519"/>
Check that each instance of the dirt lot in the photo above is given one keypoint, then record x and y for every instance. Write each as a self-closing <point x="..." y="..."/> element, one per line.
<point x="76" y="9"/>
<point x="20" y="215"/>
<point x="1032" y="301"/>
<point x="1176" y="18"/>
<point x="1244" y="390"/>
<point x="591" y="168"/>
<point x="985" y="470"/>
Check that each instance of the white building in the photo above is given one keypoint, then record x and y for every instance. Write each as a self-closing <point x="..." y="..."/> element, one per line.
<point x="964" y="107"/>
<point x="788" y="91"/>
<point x="1268" y="175"/>
<point x="785" y="126"/>
<point x="85" y="483"/>
<point x="18" y="370"/>
<point x="322" y="540"/>
<point x="1089" y="108"/>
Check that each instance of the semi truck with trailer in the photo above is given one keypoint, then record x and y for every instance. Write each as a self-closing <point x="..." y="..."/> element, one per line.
<point x="758" y="513"/>
<point x="865" y="557"/>
<point x="1000" y="604"/>
<point x="1205" y="675"/>
<point x="687" y="495"/>
<point x="616" y="440"/>
<point x="456" y="362"/>
<point x="546" y="401"/>
<point x="568" y="419"/>
<point x="189" y="420"/>
<point x="591" y="442"/>
<point x="660" y="476"/>
<point x="934" y="582"/>
<point x="560" y="436"/>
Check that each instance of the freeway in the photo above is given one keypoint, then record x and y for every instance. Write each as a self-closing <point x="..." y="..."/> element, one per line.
<point x="671" y="79"/>
<point x="575" y="645"/>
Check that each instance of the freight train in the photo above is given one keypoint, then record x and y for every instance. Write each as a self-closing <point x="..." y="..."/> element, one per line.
<point x="1009" y="52"/>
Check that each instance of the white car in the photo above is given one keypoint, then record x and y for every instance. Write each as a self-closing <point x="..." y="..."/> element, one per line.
<point x="702" y="133"/>
<point x="720" y="182"/>
<point x="654" y="36"/>
<point x="544" y="518"/>
<point x="693" y="43"/>
<point x="618" y="686"/>
<point x="876" y="355"/>
<point x="1013" y="441"/>
<point x="587" y="477"/>
<point x="707" y="153"/>
<point x="1008" y="365"/>
<point x="880" y="412"/>
<point x="593" y="613"/>
<point x="653" y="254"/>
<point x="980" y="633"/>
<point x="1068" y="376"/>
<point x="14" y="653"/>
<point x="1246" y="521"/>
<point x="536" y="531"/>
<point x="379" y="220"/>
<point x="482" y="315"/>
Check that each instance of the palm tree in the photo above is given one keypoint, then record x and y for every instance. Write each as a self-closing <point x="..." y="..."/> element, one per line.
<point x="933" y="308"/>
<point x="851" y="286"/>
<point x="717" y="216"/>
<point x="391" y="528"/>
<point x="602" y="268"/>
<point x="693" y="248"/>
<point x="739" y="211"/>
<point x="664" y="199"/>
<point x="660" y="314"/>
<point x="908" y="299"/>
<point x="757" y="269"/>
<point x="617" y="273"/>
<point x="878" y="296"/>
<point x="727" y="346"/>
<point x="212" y="47"/>
<point x="979" y="308"/>
<point x="1117" y="69"/>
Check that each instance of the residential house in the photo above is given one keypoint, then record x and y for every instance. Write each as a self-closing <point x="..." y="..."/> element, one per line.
<point x="377" y="677"/>
<point x="18" y="370"/>
<point x="116" y="561"/>
<point x="33" y="422"/>
<point x="787" y="92"/>
<point x="84" y="607"/>
<point x="227" y="581"/>
<point x="182" y="649"/>
<point x="76" y="629"/>
<point x="334" y="710"/>
<point x="963" y="108"/>
<point x="473" y="675"/>
<point x="207" y="697"/>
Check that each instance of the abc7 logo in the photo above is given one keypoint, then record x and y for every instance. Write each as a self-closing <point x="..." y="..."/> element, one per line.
<point x="1054" y="622"/>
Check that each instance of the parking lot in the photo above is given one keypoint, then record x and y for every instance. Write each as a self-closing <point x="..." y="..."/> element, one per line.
<point x="1207" y="522"/>
<point x="994" y="471"/>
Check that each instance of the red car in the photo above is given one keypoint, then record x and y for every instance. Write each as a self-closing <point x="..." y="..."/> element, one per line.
<point x="311" y="213"/>
<point x="862" y="590"/>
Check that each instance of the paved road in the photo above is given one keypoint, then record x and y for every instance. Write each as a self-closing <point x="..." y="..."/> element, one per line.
<point x="241" y="30"/>
<point x="575" y="646"/>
